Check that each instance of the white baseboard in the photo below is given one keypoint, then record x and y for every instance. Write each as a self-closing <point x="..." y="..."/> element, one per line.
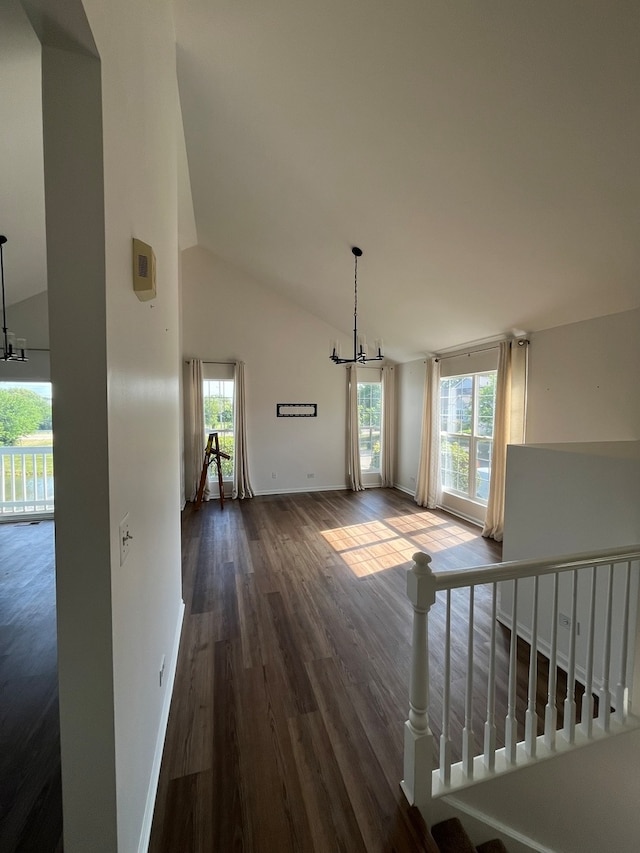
<point x="342" y="488"/>
<point x="405" y="490"/>
<point x="145" y="832"/>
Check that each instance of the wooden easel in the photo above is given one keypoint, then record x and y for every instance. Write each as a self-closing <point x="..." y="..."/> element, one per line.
<point x="212" y="453"/>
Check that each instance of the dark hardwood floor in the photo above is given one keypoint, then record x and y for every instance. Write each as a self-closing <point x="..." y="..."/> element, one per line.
<point x="30" y="786"/>
<point x="286" y="724"/>
<point x="286" y="727"/>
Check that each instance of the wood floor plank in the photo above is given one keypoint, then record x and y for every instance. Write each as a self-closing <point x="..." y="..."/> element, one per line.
<point x="192" y="706"/>
<point x="232" y="828"/>
<point x="268" y="767"/>
<point x="333" y="823"/>
<point x="188" y="825"/>
<point x="294" y="668"/>
<point x="355" y="755"/>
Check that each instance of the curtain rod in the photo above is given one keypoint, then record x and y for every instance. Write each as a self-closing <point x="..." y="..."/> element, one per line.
<point x="461" y="353"/>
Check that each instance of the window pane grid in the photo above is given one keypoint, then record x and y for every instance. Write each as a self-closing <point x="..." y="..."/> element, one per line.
<point x="219" y="417"/>
<point x="467" y="405"/>
<point x="369" y="426"/>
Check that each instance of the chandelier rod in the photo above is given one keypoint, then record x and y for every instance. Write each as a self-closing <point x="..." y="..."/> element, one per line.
<point x="359" y="352"/>
<point x="9" y="353"/>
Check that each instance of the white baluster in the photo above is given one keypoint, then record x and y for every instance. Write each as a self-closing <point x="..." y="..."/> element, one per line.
<point x="551" y="710"/>
<point x="531" y="717"/>
<point x="445" y="737"/>
<point x="604" y="703"/>
<point x="24" y="475"/>
<point x="511" y="722"/>
<point x="468" y="746"/>
<point x="622" y="691"/>
<point x="569" y="728"/>
<point x="418" y="740"/>
<point x="587" y="697"/>
<point x="490" y="723"/>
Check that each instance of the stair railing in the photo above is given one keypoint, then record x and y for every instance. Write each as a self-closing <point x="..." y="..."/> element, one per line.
<point x="528" y="597"/>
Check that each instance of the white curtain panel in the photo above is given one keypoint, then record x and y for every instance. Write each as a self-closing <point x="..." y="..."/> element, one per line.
<point x="241" y="482"/>
<point x="195" y="429"/>
<point x="428" y="486"/>
<point x="519" y="377"/>
<point x="388" y="454"/>
<point x="353" y="432"/>
<point x="510" y="413"/>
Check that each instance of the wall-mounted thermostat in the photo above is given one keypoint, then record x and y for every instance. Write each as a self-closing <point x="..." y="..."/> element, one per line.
<point x="144" y="271"/>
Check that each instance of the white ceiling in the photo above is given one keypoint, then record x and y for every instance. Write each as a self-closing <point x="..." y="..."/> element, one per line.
<point x="21" y="156"/>
<point x="483" y="155"/>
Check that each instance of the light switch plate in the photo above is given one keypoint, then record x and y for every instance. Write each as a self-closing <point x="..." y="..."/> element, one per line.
<point x="125" y="537"/>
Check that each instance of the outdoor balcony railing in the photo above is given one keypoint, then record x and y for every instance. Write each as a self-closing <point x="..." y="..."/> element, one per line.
<point x="26" y="480"/>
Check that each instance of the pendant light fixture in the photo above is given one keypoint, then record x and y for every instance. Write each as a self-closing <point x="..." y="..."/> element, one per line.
<point x="13" y="349"/>
<point x="359" y="343"/>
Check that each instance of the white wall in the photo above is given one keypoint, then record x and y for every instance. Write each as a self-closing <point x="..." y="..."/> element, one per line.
<point x="409" y="396"/>
<point x="229" y="316"/>
<point x="563" y="499"/>
<point x="583" y="381"/>
<point x="114" y="368"/>
<point x="585" y="800"/>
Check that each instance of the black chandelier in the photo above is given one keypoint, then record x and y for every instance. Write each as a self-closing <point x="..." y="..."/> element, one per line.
<point x="359" y="344"/>
<point x="13" y="349"/>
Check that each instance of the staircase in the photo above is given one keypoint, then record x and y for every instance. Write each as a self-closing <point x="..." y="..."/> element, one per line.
<point x="450" y="837"/>
<point x="579" y="612"/>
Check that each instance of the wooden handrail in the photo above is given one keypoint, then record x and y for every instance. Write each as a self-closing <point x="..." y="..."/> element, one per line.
<point x="495" y="572"/>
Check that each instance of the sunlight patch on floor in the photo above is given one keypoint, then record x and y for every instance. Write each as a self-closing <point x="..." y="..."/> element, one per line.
<point x="415" y="521"/>
<point x="374" y="546"/>
<point x="369" y="548"/>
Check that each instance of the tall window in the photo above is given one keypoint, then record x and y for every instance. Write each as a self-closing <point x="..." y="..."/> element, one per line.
<point x="217" y="397"/>
<point x="467" y="405"/>
<point x="369" y="421"/>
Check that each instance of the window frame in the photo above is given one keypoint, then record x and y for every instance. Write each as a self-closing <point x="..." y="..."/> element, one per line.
<point x="222" y="373"/>
<point x="361" y="381"/>
<point x="474" y="438"/>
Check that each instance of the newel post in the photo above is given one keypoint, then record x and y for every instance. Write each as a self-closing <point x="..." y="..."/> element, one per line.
<point x="418" y="740"/>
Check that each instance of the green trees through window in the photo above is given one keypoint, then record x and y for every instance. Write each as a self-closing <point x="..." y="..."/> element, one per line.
<point x="23" y="412"/>
<point x="218" y="417"/>
<point x="467" y="407"/>
<point x="369" y="424"/>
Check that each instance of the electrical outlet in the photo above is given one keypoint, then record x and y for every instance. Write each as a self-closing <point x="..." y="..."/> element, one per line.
<point x="273" y="475"/>
<point x="310" y="476"/>
<point x="564" y="621"/>
<point x="162" y="670"/>
<point x="125" y="537"/>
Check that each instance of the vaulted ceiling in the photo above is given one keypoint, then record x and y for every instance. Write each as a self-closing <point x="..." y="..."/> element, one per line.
<point x="483" y="155"/>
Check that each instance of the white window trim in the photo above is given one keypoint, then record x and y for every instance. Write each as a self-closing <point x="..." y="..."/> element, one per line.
<point x="458" y="503"/>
